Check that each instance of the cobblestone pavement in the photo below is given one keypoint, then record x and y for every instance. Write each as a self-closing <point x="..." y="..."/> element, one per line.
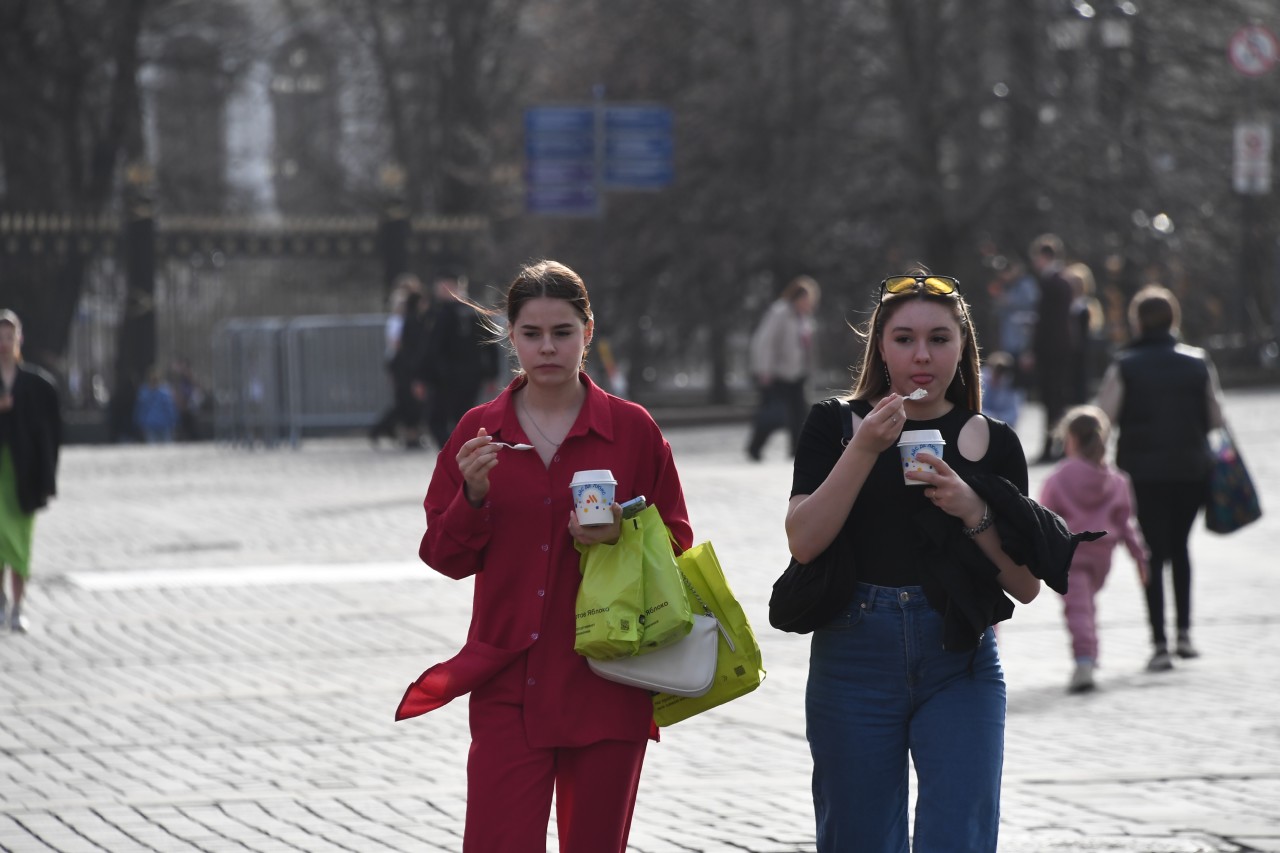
<point x="220" y="637"/>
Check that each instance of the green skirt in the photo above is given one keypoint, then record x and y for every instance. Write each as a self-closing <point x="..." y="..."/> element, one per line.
<point x="16" y="527"/>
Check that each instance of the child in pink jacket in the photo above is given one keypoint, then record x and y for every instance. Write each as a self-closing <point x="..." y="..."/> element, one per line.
<point x="1090" y="494"/>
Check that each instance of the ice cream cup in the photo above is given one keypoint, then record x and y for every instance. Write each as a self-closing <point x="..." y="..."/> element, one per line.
<point x="911" y="442"/>
<point x="593" y="493"/>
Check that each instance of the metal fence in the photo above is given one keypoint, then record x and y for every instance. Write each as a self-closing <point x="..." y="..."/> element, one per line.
<point x="152" y="294"/>
<point x="211" y="309"/>
<point x="277" y="379"/>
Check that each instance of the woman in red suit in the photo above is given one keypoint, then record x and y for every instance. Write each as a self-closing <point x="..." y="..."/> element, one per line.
<point x="541" y="721"/>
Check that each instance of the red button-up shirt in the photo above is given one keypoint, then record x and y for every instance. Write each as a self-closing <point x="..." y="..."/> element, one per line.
<point x="518" y="547"/>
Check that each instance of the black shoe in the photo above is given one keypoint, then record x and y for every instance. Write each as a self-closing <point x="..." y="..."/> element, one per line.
<point x="753" y="453"/>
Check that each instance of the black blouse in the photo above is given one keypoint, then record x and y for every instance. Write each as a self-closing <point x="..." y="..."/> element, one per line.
<point x="879" y="527"/>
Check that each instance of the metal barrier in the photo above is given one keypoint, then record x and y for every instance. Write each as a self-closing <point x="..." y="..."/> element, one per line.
<point x="336" y="372"/>
<point x="276" y="378"/>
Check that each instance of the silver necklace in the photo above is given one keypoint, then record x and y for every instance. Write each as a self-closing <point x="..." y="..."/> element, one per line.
<point x="529" y="415"/>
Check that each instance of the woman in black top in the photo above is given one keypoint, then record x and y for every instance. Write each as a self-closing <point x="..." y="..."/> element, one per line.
<point x="908" y="669"/>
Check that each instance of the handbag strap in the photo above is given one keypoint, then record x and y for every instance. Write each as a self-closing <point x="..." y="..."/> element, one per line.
<point x="846" y="421"/>
<point x="707" y="611"/>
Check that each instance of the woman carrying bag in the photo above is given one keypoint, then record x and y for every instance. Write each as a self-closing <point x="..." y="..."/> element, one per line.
<point x="541" y="721"/>
<point x="1164" y="399"/>
<point x="908" y="671"/>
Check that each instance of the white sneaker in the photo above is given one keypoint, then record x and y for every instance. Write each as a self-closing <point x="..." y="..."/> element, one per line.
<point x="1082" y="678"/>
<point x="18" y="623"/>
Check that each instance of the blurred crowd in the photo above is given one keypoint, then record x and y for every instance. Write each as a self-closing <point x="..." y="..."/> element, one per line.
<point x="440" y="357"/>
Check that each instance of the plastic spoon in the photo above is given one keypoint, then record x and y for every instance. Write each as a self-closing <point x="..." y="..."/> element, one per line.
<point x="513" y="446"/>
<point x="918" y="394"/>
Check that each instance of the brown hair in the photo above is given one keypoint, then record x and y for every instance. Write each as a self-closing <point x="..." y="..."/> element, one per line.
<point x="1090" y="427"/>
<point x="548" y="278"/>
<point x="871" y="383"/>
<point x="1154" y="309"/>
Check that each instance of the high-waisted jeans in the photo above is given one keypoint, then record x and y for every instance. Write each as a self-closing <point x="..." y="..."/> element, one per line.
<point x="881" y="687"/>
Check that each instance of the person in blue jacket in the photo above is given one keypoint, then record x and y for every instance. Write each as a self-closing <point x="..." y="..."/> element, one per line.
<point x="155" y="413"/>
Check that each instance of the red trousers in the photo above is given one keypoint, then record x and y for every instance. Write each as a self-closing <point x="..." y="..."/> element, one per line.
<point x="510" y="785"/>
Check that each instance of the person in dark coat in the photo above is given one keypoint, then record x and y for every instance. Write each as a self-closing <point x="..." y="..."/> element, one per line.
<point x="1163" y="396"/>
<point x="405" y="347"/>
<point x="1051" y="343"/>
<point x="30" y="438"/>
<point x="459" y="358"/>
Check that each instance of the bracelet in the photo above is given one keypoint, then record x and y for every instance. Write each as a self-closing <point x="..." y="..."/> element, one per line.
<point x="981" y="525"/>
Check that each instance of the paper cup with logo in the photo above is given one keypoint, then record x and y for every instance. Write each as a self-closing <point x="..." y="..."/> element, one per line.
<point x="912" y="442"/>
<point x="593" y="495"/>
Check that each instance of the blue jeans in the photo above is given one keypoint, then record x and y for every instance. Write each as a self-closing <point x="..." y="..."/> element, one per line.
<point x="881" y="687"/>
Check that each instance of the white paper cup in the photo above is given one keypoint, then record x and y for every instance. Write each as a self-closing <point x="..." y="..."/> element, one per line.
<point x="911" y="442"/>
<point x="593" y="493"/>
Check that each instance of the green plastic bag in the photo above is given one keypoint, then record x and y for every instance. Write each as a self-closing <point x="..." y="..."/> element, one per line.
<point x="632" y="599"/>
<point x="610" y="599"/>
<point x="667" y="616"/>
<point x="739" y="666"/>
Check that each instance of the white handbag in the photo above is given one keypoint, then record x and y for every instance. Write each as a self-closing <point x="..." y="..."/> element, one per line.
<point x="685" y="668"/>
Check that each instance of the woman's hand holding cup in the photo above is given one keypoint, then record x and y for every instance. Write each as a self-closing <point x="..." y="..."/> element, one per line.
<point x="948" y="491"/>
<point x="596" y="534"/>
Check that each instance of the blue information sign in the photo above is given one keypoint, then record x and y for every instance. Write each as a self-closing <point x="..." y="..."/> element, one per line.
<point x="638" y="117"/>
<point x="560" y="161"/>
<point x="638" y="147"/>
<point x="567" y="167"/>
<point x="562" y="200"/>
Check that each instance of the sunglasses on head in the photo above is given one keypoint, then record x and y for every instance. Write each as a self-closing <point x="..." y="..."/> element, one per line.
<point x="938" y="285"/>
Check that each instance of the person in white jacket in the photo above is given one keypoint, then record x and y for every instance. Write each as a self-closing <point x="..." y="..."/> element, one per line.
<point x="1090" y="494"/>
<point x="781" y="360"/>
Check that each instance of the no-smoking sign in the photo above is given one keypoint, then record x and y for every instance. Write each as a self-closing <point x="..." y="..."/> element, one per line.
<point x="1253" y="50"/>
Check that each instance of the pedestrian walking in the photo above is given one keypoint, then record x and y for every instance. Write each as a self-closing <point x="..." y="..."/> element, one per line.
<point x="189" y="397"/>
<point x="459" y="359"/>
<point x="1090" y="494"/>
<point x="155" y="412"/>
<point x="781" y="361"/>
<point x="930" y="565"/>
<point x="1014" y="295"/>
<point x="30" y="439"/>
<point x="1051" y="345"/>
<point x="404" y="348"/>
<point x="1163" y="397"/>
<point x="541" y="720"/>
<point x="1001" y="397"/>
<point x="1086" y="332"/>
